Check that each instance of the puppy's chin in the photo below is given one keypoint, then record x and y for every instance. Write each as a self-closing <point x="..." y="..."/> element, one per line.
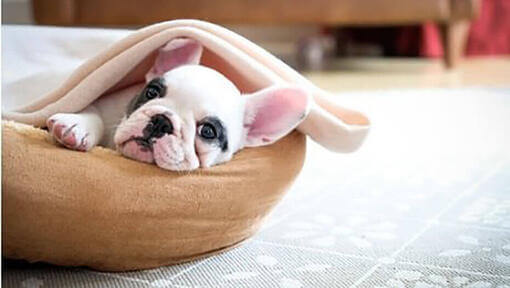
<point x="171" y="153"/>
<point x="165" y="153"/>
<point x="135" y="151"/>
<point x="168" y="152"/>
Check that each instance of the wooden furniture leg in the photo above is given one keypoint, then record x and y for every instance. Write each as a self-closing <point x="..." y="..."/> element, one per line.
<point x="454" y="35"/>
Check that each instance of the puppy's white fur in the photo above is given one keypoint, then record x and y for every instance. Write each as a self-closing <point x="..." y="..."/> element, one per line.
<point x="193" y="95"/>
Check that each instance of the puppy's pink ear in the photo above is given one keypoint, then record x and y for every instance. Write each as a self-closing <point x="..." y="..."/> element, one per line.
<point x="176" y="52"/>
<point x="272" y="113"/>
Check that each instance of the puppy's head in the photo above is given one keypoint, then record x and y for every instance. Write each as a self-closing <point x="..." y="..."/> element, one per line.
<point x="189" y="116"/>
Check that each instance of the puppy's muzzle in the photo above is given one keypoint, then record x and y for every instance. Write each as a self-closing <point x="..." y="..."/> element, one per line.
<point x="158" y="126"/>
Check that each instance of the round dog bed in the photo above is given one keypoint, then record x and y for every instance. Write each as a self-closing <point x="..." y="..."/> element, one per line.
<point x="102" y="210"/>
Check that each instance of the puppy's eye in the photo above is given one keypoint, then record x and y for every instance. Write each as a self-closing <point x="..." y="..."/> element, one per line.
<point x="212" y="131"/>
<point x="152" y="92"/>
<point x="207" y="131"/>
<point x="156" y="88"/>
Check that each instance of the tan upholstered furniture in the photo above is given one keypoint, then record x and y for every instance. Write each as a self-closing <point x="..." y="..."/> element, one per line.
<point x="452" y="15"/>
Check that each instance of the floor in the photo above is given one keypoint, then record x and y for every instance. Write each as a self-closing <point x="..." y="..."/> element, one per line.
<point x="394" y="73"/>
<point x="424" y="203"/>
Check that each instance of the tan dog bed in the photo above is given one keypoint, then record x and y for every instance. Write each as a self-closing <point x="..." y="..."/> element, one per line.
<point x="101" y="210"/>
<point x="108" y="212"/>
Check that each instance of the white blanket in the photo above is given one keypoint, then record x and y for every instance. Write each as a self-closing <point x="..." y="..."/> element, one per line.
<point x="328" y="123"/>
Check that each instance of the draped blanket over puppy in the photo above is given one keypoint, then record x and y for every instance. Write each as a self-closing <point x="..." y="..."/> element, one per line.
<point x="104" y="211"/>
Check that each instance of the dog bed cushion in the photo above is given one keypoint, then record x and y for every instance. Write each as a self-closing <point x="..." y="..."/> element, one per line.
<point x="108" y="212"/>
<point x="101" y="210"/>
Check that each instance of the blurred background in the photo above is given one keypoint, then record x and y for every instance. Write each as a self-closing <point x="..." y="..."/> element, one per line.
<point x="370" y="43"/>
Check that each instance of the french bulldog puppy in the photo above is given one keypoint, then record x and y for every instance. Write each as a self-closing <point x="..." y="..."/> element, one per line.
<point x="186" y="116"/>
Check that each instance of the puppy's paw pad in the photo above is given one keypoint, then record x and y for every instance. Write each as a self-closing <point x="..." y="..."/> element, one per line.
<point x="69" y="132"/>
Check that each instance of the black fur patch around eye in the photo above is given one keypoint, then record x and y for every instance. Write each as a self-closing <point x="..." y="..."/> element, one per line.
<point x="221" y="140"/>
<point x="155" y="85"/>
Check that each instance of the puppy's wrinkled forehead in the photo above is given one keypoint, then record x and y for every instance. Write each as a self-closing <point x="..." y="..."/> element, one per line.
<point x="201" y="90"/>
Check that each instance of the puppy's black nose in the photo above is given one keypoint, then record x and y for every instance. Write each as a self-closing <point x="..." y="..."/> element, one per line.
<point x="158" y="126"/>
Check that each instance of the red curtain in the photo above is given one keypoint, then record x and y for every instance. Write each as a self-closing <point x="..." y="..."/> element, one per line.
<point x="489" y="33"/>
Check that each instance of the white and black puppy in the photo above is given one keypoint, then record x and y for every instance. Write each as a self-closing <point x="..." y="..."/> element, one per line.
<point x="186" y="116"/>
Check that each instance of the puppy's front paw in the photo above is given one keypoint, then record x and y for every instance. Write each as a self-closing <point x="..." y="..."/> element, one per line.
<point x="70" y="130"/>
